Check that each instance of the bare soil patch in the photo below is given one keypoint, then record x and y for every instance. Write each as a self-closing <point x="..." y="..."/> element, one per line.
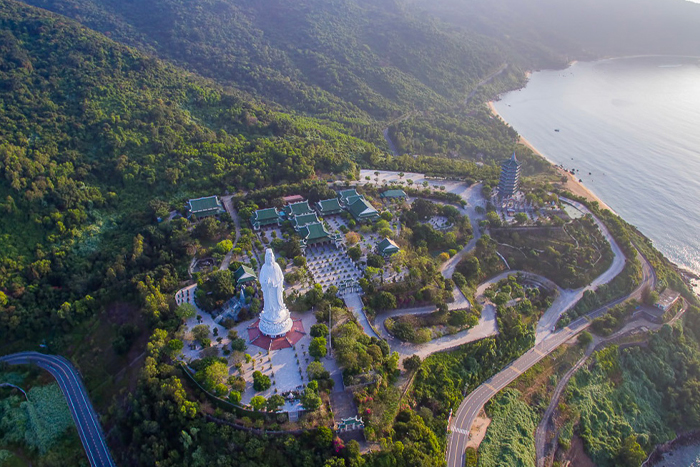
<point x="576" y="455"/>
<point x="478" y="430"/>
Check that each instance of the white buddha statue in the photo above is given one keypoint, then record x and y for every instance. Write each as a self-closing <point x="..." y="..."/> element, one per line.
<point x="275" y="319"/>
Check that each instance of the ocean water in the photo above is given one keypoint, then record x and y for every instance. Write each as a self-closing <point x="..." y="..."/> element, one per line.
<point x="684" y="456"/>
<point x="630" y="128"/>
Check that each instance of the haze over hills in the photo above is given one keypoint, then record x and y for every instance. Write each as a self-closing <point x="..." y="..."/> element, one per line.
<point x="578" y="29"/>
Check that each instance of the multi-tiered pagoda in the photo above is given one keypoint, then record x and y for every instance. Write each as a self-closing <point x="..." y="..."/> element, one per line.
<point x="510" y="178"/>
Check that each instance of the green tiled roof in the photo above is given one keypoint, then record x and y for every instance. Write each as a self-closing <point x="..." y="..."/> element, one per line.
<point x="205" y="206"/>
<point x="313" y="232"/>
<point x="330" y="206"/>
<point x="266" y="214"/>
<point x="387" y="246"/>
<point x="244" y="274"/>
<point x="393" y="194"/>
<point x="298" y="209"/>
<point x="351" y="199"/>
<point x="361" y="209"/>
<point x="305" y="219"/>
<point x="345" y="194"/>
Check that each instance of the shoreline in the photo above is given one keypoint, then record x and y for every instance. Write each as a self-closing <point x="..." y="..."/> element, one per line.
<point x="572" y="184"/>
<point x="681" y="440"/>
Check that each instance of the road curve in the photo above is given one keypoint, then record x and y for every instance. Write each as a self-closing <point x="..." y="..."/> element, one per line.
<point x="84" y="416"/>
<point x="546" y="342"/>
<point x="476" y="400"/>
<point x="545" y="425"/>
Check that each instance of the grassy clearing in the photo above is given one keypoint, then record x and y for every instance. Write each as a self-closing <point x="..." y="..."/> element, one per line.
<point x="510" y="439"/>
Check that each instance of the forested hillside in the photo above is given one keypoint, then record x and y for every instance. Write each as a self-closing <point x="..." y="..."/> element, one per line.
<point x="417" y="67"/>
<point x="365" y="65"/>
<point x="345" y="59"/>
<point x="97" y="139"/>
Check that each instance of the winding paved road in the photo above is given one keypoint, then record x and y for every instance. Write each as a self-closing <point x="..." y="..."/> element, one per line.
<point x="543" y="429"/>
<point x="486" y="327"/>
<point x="475" y="401"/>
<point x="546" y="340"/>
<point x="84" y="416"/>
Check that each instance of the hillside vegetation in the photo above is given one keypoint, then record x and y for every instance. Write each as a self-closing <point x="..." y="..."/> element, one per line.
<point x="97" y="138"/>
<point x="365" y="65"/>
<point x="356" y="58"/>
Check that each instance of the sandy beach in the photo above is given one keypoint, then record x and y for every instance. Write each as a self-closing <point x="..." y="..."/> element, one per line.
<point x="572" y="184"/>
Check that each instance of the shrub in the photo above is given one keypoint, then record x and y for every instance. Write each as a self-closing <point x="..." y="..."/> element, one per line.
<point x="237" y="383"/>
<point x="234" y="397"/>
<point x="317" y="348"/>
<point x="261" y="382"/>
<point x="411" y="363"/>
<point x="319" y="330"/>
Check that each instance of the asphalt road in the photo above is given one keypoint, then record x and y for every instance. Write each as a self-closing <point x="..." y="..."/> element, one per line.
<point x="84" y="416"/>
<point x="471" y="406"/>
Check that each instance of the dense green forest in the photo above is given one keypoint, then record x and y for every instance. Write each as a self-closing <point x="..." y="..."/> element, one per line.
<point x="351" y="57"/>
<point x="97" y="139"/>
<point x="363" y="65"/>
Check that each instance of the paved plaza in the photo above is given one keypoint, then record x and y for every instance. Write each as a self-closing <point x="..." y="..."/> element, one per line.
<point x="286" y="373"/>
<point x="285" y="367"/>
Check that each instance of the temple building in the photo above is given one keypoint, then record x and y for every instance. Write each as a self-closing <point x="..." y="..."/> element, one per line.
<point x="394" y="194"/>
<point x="329" y="207"/>
<point x="346" y="197"/>
<point x="387" y="247"/>
<point x="298" y="209"/>
<point x="204" y="207"/>
<point x="304" y="219"/>
<point x="510" y="178"/>
<point x="263" y="217"/>
<point x="314" y="234"/>
<point x="244" y="274"/>
<point x="361" y="210"/>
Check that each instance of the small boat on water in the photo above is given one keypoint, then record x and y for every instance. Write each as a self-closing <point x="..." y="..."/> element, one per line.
<point x="557" y="130"/>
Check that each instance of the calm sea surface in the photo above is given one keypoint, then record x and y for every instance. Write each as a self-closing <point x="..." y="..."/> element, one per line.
<point x="631" y="129"/>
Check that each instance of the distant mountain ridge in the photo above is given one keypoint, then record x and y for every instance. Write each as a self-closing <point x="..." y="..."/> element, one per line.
<point x="580" y="29"/>
<point x="340" y="59"/>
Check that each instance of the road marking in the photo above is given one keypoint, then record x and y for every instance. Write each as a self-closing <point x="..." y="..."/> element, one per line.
<point x="516" y="370"/>
<point x="490" y="387"/>
<point x="82" y="412"/>
<point x="539" y="352"/>
<point x="460" y="431"/>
